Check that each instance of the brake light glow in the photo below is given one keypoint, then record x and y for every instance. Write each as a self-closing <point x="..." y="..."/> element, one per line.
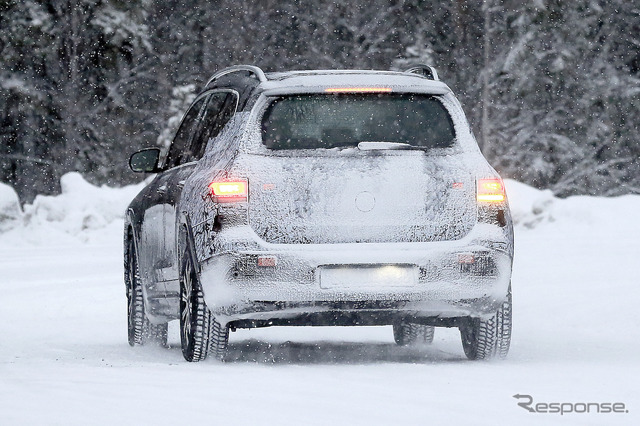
<point x="491" y="190"/>
<point x="358" y="90"/>
<point x="228" y="191"/>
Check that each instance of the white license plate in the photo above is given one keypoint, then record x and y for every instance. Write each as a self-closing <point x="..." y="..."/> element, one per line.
<point x="366" y="277"/>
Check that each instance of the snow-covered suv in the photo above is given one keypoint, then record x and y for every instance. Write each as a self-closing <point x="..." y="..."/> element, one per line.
<point x="320" y="198"/>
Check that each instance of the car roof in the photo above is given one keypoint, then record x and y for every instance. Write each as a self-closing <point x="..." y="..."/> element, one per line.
<point x="250" y="81"/>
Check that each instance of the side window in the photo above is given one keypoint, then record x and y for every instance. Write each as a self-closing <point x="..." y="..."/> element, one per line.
<point x="180" y="150"/>
<point x="220" y="108"/>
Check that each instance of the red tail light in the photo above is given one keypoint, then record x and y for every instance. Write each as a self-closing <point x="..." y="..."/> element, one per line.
<point x="491" y="190"/>
<point x="228" y="192"/>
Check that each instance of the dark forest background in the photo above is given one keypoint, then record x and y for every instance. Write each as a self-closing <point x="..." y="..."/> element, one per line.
<point x="551" y="87"/>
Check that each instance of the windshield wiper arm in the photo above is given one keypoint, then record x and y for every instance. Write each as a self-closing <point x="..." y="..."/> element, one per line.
<point x="370" y="145"/>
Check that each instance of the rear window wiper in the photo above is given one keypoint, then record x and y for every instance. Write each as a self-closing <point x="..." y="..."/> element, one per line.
<point x="367" y="145"/>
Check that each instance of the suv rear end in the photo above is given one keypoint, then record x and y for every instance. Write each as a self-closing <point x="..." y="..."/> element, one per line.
<point x="353" y="198"/>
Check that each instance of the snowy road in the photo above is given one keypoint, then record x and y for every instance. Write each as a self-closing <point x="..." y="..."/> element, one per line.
<point x="64" y="357"/>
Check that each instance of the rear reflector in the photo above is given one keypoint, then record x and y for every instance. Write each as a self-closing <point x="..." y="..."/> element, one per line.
<point x="491" y="190"/>
<point x="358" y="90"/>
<point x="228" y="191"/>
<point x="267" y="261"/>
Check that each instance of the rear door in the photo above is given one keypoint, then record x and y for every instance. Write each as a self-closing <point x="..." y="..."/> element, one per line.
<point x="156" y="260"/>
<point x="217" y="108"/>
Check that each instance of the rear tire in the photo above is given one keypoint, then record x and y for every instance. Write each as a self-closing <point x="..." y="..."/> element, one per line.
<point x="488" y="338"/>
<point x="410" y="334"/>
<point x="200" y="333"/>
<point x="218" y="340"/>
<point x="140" y="330"/>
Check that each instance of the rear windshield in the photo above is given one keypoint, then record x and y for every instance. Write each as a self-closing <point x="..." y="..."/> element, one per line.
<point x="329" y="121"/>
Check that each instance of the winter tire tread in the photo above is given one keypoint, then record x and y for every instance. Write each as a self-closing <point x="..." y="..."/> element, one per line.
<point x="491" y="337"/>
<point x="410" y="334"/>
<point x="203" y="335"/>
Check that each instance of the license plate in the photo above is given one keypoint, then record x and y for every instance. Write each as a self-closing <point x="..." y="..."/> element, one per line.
<point x="367" y="277"/>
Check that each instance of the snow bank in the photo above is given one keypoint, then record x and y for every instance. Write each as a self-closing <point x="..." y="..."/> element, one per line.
<point x="10" y="211"/>
<point x="81" y="213"/>
<point x="80" y="207"/>
<point x="529" y="206"/>
<point x="532" y="208"/>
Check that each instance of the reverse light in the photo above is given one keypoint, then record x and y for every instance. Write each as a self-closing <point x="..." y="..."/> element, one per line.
<point x="358" y="90"/>
<point x="491" y="190"/>
<point x="228" y="191"/>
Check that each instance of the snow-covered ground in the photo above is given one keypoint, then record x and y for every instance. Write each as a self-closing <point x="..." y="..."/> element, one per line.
<point x="64" y="357"/>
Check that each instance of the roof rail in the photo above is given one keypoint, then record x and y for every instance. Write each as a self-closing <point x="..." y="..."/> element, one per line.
<point x="424" y="70"/>
<point x="238" y="68"/>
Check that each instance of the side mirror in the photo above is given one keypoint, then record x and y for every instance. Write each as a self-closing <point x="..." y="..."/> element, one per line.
<point x="145" y="161"/>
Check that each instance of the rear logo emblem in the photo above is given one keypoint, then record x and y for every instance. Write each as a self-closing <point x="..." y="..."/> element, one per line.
<point x="365" y="201"/>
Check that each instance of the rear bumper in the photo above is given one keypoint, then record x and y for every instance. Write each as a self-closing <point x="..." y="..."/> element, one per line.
<point x="467" y="277"/>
